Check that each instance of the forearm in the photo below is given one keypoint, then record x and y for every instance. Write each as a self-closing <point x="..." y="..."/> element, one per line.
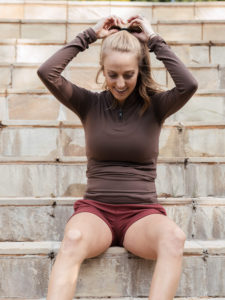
<point x="182" y="77"/>
<point x="50" y="70"/>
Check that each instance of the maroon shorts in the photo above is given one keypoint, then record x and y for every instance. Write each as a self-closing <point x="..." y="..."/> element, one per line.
<point x="117" y="216"/>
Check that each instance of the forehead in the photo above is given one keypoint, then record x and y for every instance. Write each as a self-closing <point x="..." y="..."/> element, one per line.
<point x="120" y="60"/>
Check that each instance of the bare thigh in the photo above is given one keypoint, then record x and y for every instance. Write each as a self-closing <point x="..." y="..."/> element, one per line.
<point x="151" y="234"/>
<point x="88" y="231"/>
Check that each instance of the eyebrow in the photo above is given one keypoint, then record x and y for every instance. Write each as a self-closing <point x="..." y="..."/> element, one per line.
<point x="130" y="71"/>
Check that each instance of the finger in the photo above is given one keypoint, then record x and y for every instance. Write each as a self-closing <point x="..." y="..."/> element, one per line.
<point x="133" y="17"/>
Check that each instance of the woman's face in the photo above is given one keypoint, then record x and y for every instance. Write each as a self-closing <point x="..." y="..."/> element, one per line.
<point x="121" y="72"/>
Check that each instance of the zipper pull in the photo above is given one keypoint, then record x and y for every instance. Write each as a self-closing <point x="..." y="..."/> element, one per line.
<point x="120" y="114"/>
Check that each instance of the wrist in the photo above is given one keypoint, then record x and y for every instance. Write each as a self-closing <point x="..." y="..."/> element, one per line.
<point x="151" y="35"/>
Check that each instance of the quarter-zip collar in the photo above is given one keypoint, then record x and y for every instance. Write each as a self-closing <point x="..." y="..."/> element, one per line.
<point x="128" y="102"/>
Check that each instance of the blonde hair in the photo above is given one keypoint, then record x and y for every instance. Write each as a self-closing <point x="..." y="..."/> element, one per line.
<point x="123" y="41"/>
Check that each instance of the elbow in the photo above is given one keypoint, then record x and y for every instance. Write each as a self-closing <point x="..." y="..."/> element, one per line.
<point x="193" y="86"/>
<point x="40" y="72"/>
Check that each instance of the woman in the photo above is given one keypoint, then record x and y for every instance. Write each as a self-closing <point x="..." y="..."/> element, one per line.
<point x="122" y="126"/>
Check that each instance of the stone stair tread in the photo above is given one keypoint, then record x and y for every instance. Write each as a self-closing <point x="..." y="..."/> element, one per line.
<point x="48" y="201"/>
<point x="127" y="298"/>
<point x="213" y="247"/>
<point x="83" y="159"/>
<point x="46" y="123"/>
<point x="95" y="65"/>
<point x="45" y="91"/>
<point x="93" y="21"/>
<point x="27" y="41"/>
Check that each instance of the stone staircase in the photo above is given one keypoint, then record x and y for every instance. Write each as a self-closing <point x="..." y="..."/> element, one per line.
<point x="42" y="149"/>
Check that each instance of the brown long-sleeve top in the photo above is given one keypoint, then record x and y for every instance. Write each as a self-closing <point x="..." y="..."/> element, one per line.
<point x="121" y="149"/>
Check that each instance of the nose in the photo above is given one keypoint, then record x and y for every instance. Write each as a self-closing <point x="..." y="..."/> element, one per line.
<point x="120" y="83"/>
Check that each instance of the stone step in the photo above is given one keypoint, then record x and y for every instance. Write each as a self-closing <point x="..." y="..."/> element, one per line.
<point x="19" y="50"/>
<point x="129" y="298"/>
<point x="25" y="269"/>
<point x="22" y="143"/>
<point x="42" y="109"/>
<point x="57" y="29"/>
<point x="74" y="10"/>
<point x="43" y="219"/>
<point x="18" y="75"/>
<point x="176" y="177"/>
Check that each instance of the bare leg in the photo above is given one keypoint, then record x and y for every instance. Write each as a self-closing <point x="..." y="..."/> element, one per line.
<point x="166" y="277"/>
<point x="86" y="235"/>
<point x="157" y="237"/>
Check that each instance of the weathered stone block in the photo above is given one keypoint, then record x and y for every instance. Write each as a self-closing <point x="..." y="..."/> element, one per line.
<point x="202" y="108"/>
<point x="28" y="223"/>
<point x="209" y="12"/>
<point x="159" y="75"/>
<point x="24" y="277"/>
<point x="87" y="80"/>
<point x="5" y="77"/>
<point x="204" y="142"/>
<point x="181" y="32"/>
<point x="170" y="180"/>
<point x="216" y="276"/>
<point x="141" y="276"/>
<point x="126" y="12"/>
<point x="89" y="56"/>
<point x="35" y="53"/>
<point x="193" y="280"/>
<point x="199" y="55"/>
<point x="2" y="108"/>
<point x="168" y="12"/>
<point x="49" y="11"/>
<point x="209" y="222"/>
<point x="26" y="76"/>
<point x="74" y="29"/>
<point x="208" y="78"/>
<point x="80" y="13"/>
<point x="72" y="180"/>
<point x="73" y="142"/>
<point x="210" y="31"/>
<point x="182" y="215"/>
<point x="43" y="31"/>
<point x="217" y="54"/>
<point x="205" y="179"/>
<point x="11" y="11"/>
<point x="27" y="180"/>
<point x="70" y="116"/>
<point x="38" y="107"/>
<point x="95" y="273"/>
<point x="36" y="142"/>
<point x="171" y="142"/>
<point x="10" y="30"/>
<point x="7" y="53"/>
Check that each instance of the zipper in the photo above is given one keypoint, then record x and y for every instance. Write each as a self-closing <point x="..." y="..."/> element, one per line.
<point x="120" y="114"/>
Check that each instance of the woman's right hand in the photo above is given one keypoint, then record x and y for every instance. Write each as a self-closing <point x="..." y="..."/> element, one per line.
<point x="102" y="27"/>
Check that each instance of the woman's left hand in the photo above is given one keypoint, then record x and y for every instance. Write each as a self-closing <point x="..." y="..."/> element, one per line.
<point x="144" y="24"/>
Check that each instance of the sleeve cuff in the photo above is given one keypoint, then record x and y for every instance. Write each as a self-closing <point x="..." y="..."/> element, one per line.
<point x="154" y="41"/>
<point x="90" y="35"/>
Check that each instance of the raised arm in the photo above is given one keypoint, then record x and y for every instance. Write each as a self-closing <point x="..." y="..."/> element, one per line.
<point x="75" y="98"/>
<point x="168" y="102"/>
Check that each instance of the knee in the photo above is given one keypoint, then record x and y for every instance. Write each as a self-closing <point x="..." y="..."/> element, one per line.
<point x="172" y="243"/>
<point x="72" y="240"/>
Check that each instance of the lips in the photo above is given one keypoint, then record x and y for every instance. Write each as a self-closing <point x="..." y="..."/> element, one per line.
<point x="120" y="92"/>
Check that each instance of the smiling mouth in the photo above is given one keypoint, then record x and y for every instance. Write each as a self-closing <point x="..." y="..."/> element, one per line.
<point x="120" y="92"/>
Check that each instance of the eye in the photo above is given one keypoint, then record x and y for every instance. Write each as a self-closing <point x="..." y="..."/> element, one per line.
<point x="112" y="76"/>
<point x="128" y="76"/>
